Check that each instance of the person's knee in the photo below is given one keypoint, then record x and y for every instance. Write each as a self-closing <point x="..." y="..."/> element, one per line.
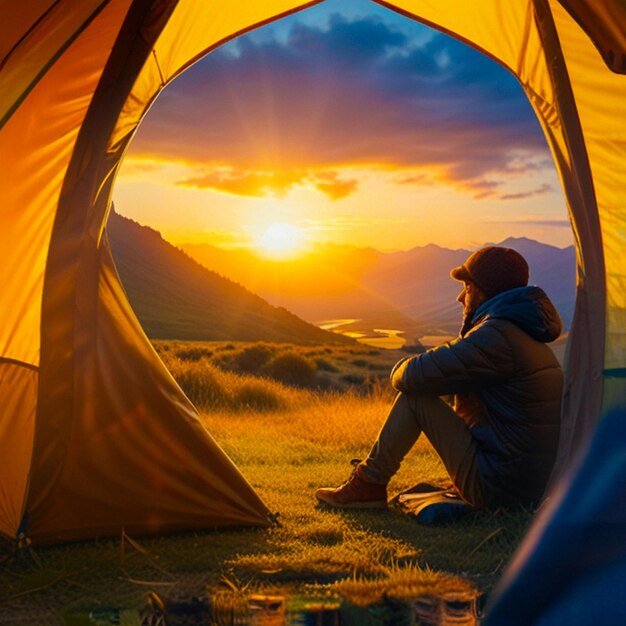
<point x="418" y="401"/>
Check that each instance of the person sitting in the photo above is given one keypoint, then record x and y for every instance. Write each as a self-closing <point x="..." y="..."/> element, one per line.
<point x="499" y="442"/>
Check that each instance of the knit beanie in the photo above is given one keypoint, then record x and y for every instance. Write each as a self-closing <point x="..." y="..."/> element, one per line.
<point x="494" y="270"/>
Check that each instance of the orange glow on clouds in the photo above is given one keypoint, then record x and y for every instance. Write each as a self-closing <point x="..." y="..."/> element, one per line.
<point x="390" y="208"/>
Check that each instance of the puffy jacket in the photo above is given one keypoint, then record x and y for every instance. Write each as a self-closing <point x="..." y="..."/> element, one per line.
<point x="507" y="385"/>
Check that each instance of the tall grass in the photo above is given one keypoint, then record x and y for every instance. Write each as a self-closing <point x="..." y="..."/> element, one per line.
<point x="211" y="388"/>
<point x="332" y="420"/>
<point x="258" y="377"/>
<point x="317" y="367"/>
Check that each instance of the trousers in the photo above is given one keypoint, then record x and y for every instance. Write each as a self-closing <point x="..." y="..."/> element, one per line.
<point x="409" y="417"/>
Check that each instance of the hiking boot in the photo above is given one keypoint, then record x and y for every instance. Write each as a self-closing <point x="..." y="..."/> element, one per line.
<point x="355" y="493"/>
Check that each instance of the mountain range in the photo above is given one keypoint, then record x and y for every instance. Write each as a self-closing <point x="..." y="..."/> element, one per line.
<point x="174" y="297"/>
<point x="409" y="290"/>
<point x="203" y="292"/>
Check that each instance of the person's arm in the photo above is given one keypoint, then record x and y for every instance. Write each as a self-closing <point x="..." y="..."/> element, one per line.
<point x="482" y="358"/>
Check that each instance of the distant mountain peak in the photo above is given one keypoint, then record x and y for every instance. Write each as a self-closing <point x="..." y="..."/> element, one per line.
<point x="512" y="242"/>
<point x="520" y="240"/>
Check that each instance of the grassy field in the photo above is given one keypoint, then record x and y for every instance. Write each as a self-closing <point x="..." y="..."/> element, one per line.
<point x="291" y="418"/>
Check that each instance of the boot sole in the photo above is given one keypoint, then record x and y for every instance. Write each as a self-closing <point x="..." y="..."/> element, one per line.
<point x="375" y="504"/>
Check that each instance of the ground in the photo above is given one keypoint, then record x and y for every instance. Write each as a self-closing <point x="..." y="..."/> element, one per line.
<point x="288" y="438"/>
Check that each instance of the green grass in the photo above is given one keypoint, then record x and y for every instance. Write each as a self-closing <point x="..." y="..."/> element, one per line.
<point x="287" y="441"/>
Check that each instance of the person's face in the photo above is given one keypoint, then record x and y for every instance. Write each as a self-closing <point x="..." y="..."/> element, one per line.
<point x="471" y="297"/>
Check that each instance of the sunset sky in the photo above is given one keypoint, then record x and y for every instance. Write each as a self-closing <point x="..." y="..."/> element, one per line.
<point x="349" y="124"/>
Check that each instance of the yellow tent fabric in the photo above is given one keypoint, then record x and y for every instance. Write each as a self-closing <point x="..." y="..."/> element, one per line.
<point x="95" y="434"/>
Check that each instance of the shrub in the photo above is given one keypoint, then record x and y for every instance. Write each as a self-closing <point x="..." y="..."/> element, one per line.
<point x="417" y="347"/>
<point x="326" y="366"/>
<point x="226" y="346"/>
<point x="359" y="362"/>
<point x="253" y="358"/>
<point x="257" y="395"/>
<point x="379" y="367"/>
<point x="200" y="381"/>
<point x="292" y="368"/>
<point x="210" y="388"/>
<point x="194" y="353"/>
<point x="224" y="361"/>
<point x="353" y="379"/>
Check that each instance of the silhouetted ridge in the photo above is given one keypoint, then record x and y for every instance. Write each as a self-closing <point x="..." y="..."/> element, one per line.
<point x="175" y="297"/>
<point x="411" y="287"/>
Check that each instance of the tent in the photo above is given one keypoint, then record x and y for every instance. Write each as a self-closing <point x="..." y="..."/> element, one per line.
<point x="573" y="562"/>
<point x="95" y="435"/>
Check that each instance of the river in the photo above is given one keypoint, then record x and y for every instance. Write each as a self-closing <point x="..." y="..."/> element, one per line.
<point x="388" y="338"/>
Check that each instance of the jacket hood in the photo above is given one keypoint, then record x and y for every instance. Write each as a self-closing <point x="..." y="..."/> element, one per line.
<point x="527" y="307"/>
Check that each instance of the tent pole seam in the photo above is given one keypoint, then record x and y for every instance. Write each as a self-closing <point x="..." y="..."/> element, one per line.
<point x="156" y="60"/>
<point x="53" y="59"/>
<point x="74" y="175"/>
<point x="446" y="31"/>
<point x="10" y="361"/>
<point x="586" y="198"/>
<point x="243" y="31"/>
<point x="28" y="33"/>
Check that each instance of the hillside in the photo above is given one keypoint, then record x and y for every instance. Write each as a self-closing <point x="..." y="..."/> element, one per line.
<point x="175" y="297"/>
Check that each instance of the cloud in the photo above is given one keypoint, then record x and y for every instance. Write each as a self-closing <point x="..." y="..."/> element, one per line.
<point x="343" y="223"/>
<point x="225" y="238"/>
<point x="139" y="168"/>
<point x="554" y="223"/>
<point x="492" y="182"/>
<point x="243" y="182"/>
<point x="351" y="43"/>
<point x="539" y="191"/>
<point x="419" y="178"/>
<point x="482" y="188"/>
<point x="529" y="220"/>
<point x="334" y="187"/>
<point x="357" y="93"/>
<point x="277" y="183"/>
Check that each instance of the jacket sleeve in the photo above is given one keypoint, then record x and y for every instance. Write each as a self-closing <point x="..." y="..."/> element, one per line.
<point x="481" y="358"/>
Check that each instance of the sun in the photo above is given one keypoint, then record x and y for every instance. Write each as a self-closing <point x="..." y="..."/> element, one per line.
<point x="281" y="240"/>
